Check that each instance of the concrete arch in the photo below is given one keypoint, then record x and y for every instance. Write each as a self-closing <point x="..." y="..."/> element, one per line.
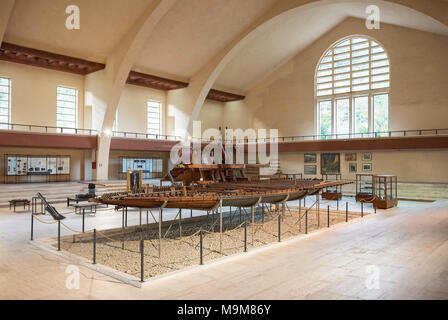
<point x="202" y="82"/>
<point x="113" y="77"/>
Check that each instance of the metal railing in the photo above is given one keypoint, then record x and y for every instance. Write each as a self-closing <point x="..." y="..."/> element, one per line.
<point x="367" y="135"/>
<point x="45" y="129"/>
<point x="150" y="136"/>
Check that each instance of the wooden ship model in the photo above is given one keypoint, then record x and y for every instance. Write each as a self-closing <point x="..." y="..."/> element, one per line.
<point x="207" y="186"/>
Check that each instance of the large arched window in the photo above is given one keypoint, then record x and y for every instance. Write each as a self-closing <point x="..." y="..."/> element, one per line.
<point x="352" y="89"/>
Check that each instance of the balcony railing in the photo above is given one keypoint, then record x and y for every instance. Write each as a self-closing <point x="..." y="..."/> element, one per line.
<point x="367" y="135"/>
<point x="66" y="130"/>
<point x="45" y="129"/>
<point x="150" y="136"/>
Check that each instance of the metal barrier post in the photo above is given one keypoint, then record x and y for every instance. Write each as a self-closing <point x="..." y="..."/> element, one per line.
<point x="200" y="248"/>
<point x="374" y="208"/>
<point x="362" y="209"/>
<point x="337" y="203"/>
<point x="94" y="246"/>
<point x="32" y="226"/>
<point x="306" y="221"/>
<point x="346" y="212"/>
<point x="83" y="217"/>
<point x="279" y="224"/>
<point x="328" y="217"/>
<point x="126" y="213"/>
<point x="59" y="235"/>
<point x="245" y="236"/>
<point x="142" y="260"/>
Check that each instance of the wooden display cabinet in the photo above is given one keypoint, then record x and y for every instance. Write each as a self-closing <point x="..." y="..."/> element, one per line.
<point x="332" y="193"/>
<point x="364" y="186"/>
<point x="385" y="191"/>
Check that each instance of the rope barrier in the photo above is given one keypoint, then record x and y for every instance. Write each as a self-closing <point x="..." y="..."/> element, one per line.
<point x="45" y="222"/>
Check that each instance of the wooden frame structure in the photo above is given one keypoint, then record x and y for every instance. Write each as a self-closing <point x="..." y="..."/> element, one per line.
<point x="130" y="185"/>
<point x="364" y="186"/>
<point x="333" y="192"/>
<point x="385" y="191"/>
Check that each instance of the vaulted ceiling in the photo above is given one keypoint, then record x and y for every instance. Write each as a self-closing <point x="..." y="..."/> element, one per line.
<point x="192" y="33"/>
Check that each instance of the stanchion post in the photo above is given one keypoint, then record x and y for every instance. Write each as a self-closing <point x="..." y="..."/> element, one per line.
<point x="328" y="217"/>
<point x="94" y="246"/>
<point x="83" y="217"/>
<point x="362" y="209"/>
<point x="32" y="226"/>
<point x="279" y="231"/>
<point x="337" y="203"/>
<point x="126" y="213"/>
<point x="142" y="260"/>
<point x="346" y="212"/>
<point x="59" y="235"/>
<point x="200" y="248"/>
<point x="374" y="207"/>
<point x="306" y="221"/>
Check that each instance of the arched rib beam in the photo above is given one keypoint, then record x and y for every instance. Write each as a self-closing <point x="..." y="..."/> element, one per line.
<point x="118" y="66"/>
<point x="202" y="82"/>
<point x="6" y="7"/>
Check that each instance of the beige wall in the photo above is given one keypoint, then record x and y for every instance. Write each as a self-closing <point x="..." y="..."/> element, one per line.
<point x="33" y="93"/>
<point x="419" y="79"/>
<point x="409" y="166"/>
<point x="132" y="109"/>
<point x="211" y="115"/>
<point x="419" y="82"/>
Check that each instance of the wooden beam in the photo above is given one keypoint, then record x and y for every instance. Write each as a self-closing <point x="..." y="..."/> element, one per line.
<point x="38" y="58"/>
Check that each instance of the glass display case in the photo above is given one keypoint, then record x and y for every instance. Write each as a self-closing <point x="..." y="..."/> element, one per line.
<point x="332" y="193"/>
<point x="364" y="186"/>
<point x="35" y="168"/>
<point x="385" y="191"/>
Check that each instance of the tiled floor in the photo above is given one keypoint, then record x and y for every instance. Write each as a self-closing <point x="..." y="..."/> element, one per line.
<point x="399" y="253"/>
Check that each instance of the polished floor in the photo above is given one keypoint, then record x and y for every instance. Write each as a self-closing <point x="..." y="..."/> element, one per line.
<point x="400" y="253"/>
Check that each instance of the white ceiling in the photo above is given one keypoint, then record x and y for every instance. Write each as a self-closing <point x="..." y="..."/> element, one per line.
<point x="299" y="28"/>
<point x="193" y="32"/>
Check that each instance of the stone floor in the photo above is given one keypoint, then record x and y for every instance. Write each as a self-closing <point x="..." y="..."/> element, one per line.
<point x="401" y="253"/>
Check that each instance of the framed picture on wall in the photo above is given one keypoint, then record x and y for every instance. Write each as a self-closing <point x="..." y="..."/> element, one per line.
<point x="352" y="167"/>
<point x="310" y="158"/>
<point x="367" y="156"/>
<point x="310" y="170"/>
<point x="366" y="167"/>
<point x="330" y="163"/>
<point x="350" y="157"/>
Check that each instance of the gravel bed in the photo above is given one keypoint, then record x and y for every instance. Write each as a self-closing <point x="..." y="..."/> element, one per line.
<point x="177" y="254"/>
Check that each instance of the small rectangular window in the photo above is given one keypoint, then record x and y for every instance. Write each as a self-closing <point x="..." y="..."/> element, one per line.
<point x="67" y="109"/>
<point x="154" y="121"/>
<point x="325" y="118"/>
<point x="343" y="116"/>
<point x="381" y="112"/>
<point x="361" y="108"/>
<point x="5" y="102"/>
